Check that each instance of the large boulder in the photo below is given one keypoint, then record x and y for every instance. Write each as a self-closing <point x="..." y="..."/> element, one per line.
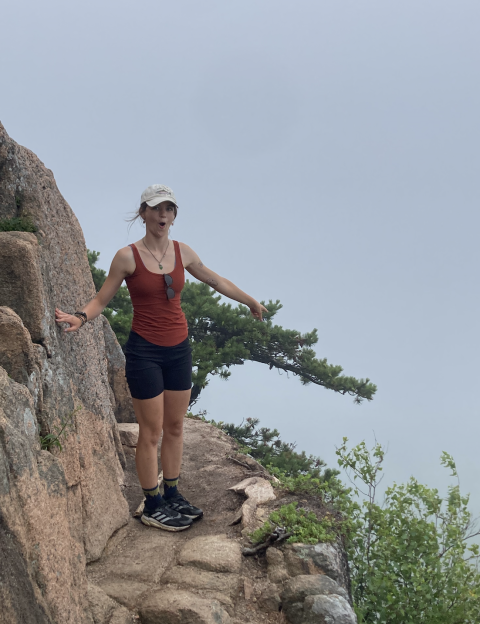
<point x="215" y="553"/>
<point x="323" y="558"/>
<point x="57" y="508"/>
<point x="17" y="352"/>
<point x="316" y="599"/>
<point x="39" y="519"/>
<point x="105" y="610"/>
<point x="20" y="597"/>
<point x="181" y="607"/>
<point x="21" y="284"/>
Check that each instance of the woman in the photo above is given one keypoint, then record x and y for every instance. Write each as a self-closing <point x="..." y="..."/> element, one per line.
<point x="158" y="354"/>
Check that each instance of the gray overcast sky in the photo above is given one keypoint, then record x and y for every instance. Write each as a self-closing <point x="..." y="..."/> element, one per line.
<point x="322" y="153"/>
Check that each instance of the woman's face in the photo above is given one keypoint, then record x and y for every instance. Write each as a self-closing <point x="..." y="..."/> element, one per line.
<point x="159" y="218"/>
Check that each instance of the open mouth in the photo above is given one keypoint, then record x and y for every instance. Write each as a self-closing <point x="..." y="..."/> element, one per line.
<point x="162" y="223"/>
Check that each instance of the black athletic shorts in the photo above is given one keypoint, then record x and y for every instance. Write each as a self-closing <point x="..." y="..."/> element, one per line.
<point x="151" y="369"/>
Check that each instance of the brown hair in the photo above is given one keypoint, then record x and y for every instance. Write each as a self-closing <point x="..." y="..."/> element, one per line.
<point x="139" y="212"/>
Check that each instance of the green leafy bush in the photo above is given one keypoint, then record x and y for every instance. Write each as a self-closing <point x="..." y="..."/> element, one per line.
<point x="304" y="525"/>
<point x="411" y="558"/>
<point x="329" y="489"/>
<point x="18" y="224"/>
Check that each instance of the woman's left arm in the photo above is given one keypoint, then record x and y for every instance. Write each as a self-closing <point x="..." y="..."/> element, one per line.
<point x="195" y="267"/>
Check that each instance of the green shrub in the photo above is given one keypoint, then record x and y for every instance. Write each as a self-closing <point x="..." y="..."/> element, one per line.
<point x="304" y="525"/>
<point x="411" y="558"/>
<point x="329" y="489"/>
<point x="18" y="224"/>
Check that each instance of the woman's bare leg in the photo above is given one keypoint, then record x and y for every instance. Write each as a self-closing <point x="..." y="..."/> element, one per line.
<point x="175" y="407"/>
<point x="149" y="414"/>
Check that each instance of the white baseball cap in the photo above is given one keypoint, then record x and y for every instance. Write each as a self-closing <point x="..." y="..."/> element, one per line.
<point x="156" y="194"/>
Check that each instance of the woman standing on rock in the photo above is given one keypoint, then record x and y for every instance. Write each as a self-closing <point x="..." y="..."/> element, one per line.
<point x="158" y="354"/>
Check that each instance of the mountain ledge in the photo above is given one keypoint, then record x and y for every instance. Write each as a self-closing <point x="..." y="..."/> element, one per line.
<point x="72" y="550"/>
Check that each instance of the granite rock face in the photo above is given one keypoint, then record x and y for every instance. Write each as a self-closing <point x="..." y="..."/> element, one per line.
<point x="324" y="558"/>
<point x="122" y="400"/>
<point x="314" y="583"/>
<point x="21" y="285"/>
<point x="59" y="508"/>
<point x="276" y="570"/>
<point x="38" y="517"/>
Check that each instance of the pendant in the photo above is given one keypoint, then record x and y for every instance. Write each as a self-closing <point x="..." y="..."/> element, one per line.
<point x="160" y="267"/>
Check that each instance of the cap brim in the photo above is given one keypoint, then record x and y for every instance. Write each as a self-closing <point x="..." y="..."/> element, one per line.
<point x="158" y="200"/>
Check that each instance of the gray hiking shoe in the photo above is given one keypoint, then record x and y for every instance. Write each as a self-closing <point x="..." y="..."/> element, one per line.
<point x="164" y="517"/>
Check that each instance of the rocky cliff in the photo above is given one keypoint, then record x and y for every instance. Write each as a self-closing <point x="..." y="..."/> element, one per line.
<point x="71" y="550"/>
<point x="58" y="510"/>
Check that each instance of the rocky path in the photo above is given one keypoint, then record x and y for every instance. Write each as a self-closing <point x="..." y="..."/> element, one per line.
<point x="200" y="576"/>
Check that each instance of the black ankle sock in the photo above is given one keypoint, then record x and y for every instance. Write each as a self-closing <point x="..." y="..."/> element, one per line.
<point x="153" y="498"/>
<point x="170" y="487"/>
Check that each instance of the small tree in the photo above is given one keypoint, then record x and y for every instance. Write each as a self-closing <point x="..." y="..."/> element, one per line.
<point x="411" y="560"/>
<point x="223" y="336"/>
<point x="265" y="445"/>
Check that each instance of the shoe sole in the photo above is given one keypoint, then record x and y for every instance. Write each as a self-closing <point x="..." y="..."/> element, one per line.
<point x="158" y="525"/>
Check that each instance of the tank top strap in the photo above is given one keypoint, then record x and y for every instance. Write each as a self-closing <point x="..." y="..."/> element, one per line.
<point x="178" y="255"/>
<point x="138" y="260"/>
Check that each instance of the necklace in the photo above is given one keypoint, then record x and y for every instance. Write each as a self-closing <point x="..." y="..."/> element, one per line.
<point x="160" y="266"/>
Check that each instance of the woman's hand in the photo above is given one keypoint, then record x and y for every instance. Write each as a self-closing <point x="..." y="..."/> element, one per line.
<point x="256" y="309"/>
<point x="73" y="321"/>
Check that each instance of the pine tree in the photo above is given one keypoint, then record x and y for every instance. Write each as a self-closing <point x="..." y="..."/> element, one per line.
<point x="223" y="336"/>
<point x="265" y="445"/>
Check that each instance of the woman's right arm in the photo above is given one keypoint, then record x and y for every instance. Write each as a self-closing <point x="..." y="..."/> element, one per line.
<point x="122" y="266"/>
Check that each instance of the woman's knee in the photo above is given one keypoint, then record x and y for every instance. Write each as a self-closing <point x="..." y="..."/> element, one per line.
<point x="150" y="436"/>
<point x="173" y="429"/>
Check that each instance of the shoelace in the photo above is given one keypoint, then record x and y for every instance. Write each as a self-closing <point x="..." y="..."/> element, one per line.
<point x="177" y="498"/>
<point x="167" y="510"/>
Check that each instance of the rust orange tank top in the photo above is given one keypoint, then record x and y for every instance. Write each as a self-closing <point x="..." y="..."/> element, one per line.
<point x="155" y="317"/>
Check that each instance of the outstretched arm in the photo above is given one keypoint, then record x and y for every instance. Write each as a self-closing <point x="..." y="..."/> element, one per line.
<point x="122" y="265"/>
<point x="195" y="267"/>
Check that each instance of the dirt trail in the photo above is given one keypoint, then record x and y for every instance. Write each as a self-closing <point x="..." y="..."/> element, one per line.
<point x="139" y="567"/>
